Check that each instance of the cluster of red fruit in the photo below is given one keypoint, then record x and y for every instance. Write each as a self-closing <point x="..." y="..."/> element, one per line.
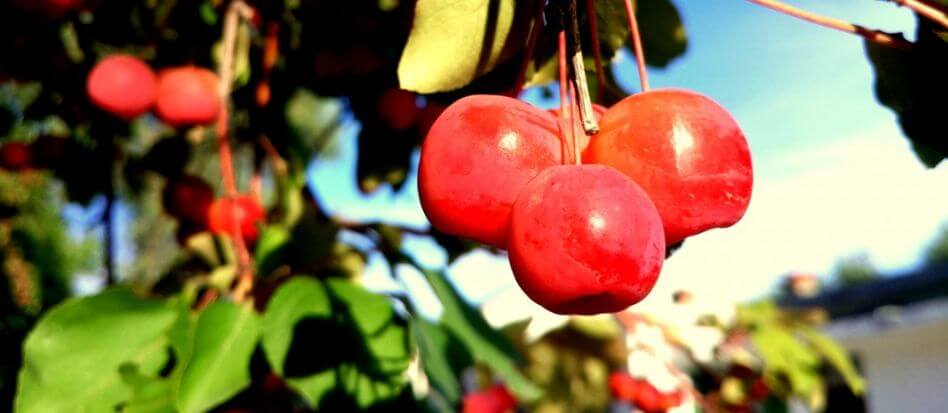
<point x="585" y="239"/>
<point x="181" y="96"/>
<point x="127" y="88"/>
<point x="642" y="394"/>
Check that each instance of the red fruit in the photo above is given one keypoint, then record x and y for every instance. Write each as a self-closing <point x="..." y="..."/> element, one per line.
<point x="623" y="386"/>
<point x="476" y="160"/>
<point x="244" y="210"/>
<point x="494" y="400"/>
<point x="188" y="96"/>
<point x="15" y="156"/>
<point x="50" y="8"/>
<point x="585" y="239"/>
<point x="397" y="109"/>
<point x="758" y="389"/>
<point x="188" y="198"/>
<point x="122" y="85"/>
<point x="686" y="151"/>
<point x="427" y="117"/>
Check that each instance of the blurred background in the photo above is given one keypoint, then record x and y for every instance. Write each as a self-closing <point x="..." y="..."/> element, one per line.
<point x="830" y="295"/>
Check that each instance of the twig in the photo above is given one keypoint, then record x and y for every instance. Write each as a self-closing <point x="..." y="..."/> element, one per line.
<point x="531" y="46"/>
<point x="875" y="36"/>
<point x="597" y="51"/>
<point x="590" y="126"/>
<point x="637" y="45"/>
<point x="237" y="10"/>
<point x="568" y="133"/>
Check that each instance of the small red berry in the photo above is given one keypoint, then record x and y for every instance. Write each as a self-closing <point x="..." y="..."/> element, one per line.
<point x="15" y="156"/>
<point x="188" y="198"/>
<point x="243" y="210"/>
<point x="397" y="109"/>
<point x="496" y="399"/>
<point x="122" y="85"/>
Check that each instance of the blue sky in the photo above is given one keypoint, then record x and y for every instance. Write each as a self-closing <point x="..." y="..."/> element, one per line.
<point x="833" y="175"/>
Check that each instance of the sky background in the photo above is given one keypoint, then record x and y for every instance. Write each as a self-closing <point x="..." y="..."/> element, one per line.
<point x="834" y="177"/>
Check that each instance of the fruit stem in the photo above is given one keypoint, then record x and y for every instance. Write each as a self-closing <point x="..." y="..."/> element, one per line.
<point x="597" y="51"/>
<point x="531" y="46"/>
<point x="564" y="95"/>
<point x="925" y="10"/>
<point x="577" y="158"/>
<point x="637" y="45"/>
<point x="235" y="11"/>
<point x="875" y="36"/>
<point x="590" y="126"/>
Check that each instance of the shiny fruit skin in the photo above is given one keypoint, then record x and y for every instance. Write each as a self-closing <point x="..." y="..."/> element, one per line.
<point x="478" y="156"/>
<point x="686" y="151"/>
<point x="244" y="209"/>
<point x="188" y="96"/>
<point x="397" y="108"/>
<point x="188" y="198"/>
<point x="122" y="85"/>
<point x="585" y="239"/>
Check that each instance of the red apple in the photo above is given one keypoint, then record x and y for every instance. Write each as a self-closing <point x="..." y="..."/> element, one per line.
<point x="122" y="85"/>
<point x="477" y="158"/>
<point x="188" y="198"/>
<point x="187" y="96"/>
<point x="243" y="210"/>
<point x="397" y="108"/>
<point x="686" y="151"/>
<point x="585" y="239"/>
<point x="623" y="386"/>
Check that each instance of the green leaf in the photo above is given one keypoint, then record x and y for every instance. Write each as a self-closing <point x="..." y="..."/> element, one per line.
<point x="663" y="35"/>
<point x="485" y="344"/>
<point x="912" y="84"/>
<point x="149" y="394"/>
<point x="837" y="356"/>
<point x="364" y="362"/>
<point x="443" y="357"/>
<point x="72" y="357"/>
<point x="224" y="338"/>
<point x="298" y="298"/>
<point x="453" y="42"/>
<point x="269" y="253"/>
<point x="783" y="354"/>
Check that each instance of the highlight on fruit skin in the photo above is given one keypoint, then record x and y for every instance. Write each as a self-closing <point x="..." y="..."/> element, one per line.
<point x="477" y="158"/>
<point x="585" y="239"/>
<point x="187" y="96"/>
<point x="122" y="85"/>
<point x="686" y="151"/>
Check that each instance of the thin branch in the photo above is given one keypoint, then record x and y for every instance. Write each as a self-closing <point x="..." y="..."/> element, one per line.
<point x="875" y="36"/>
<point x="597" y="51"/>
<point x="237" y="10"/>
<point x="565" y="126"/>
<point x="531" y="46"/>
<point x="637" y="45"/>
<point x="926" y="10"/>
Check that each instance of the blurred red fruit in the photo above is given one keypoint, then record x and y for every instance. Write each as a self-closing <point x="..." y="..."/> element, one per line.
<point x="427" y="117"/>
<point x="244" y="211"/>
<point x="397" y="108"/>
<point x="15" y="156"/>
<point x="188" y="96"/>
<point x="496" y="399"/>
<point x="188" y="198"/>
<point x="122" y="85"/>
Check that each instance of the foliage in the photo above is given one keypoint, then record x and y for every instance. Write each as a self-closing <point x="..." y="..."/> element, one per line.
<point x="855" y="270"/>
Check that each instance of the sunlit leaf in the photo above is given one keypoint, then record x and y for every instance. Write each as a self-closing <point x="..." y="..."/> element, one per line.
<point x="72" y="357"/>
